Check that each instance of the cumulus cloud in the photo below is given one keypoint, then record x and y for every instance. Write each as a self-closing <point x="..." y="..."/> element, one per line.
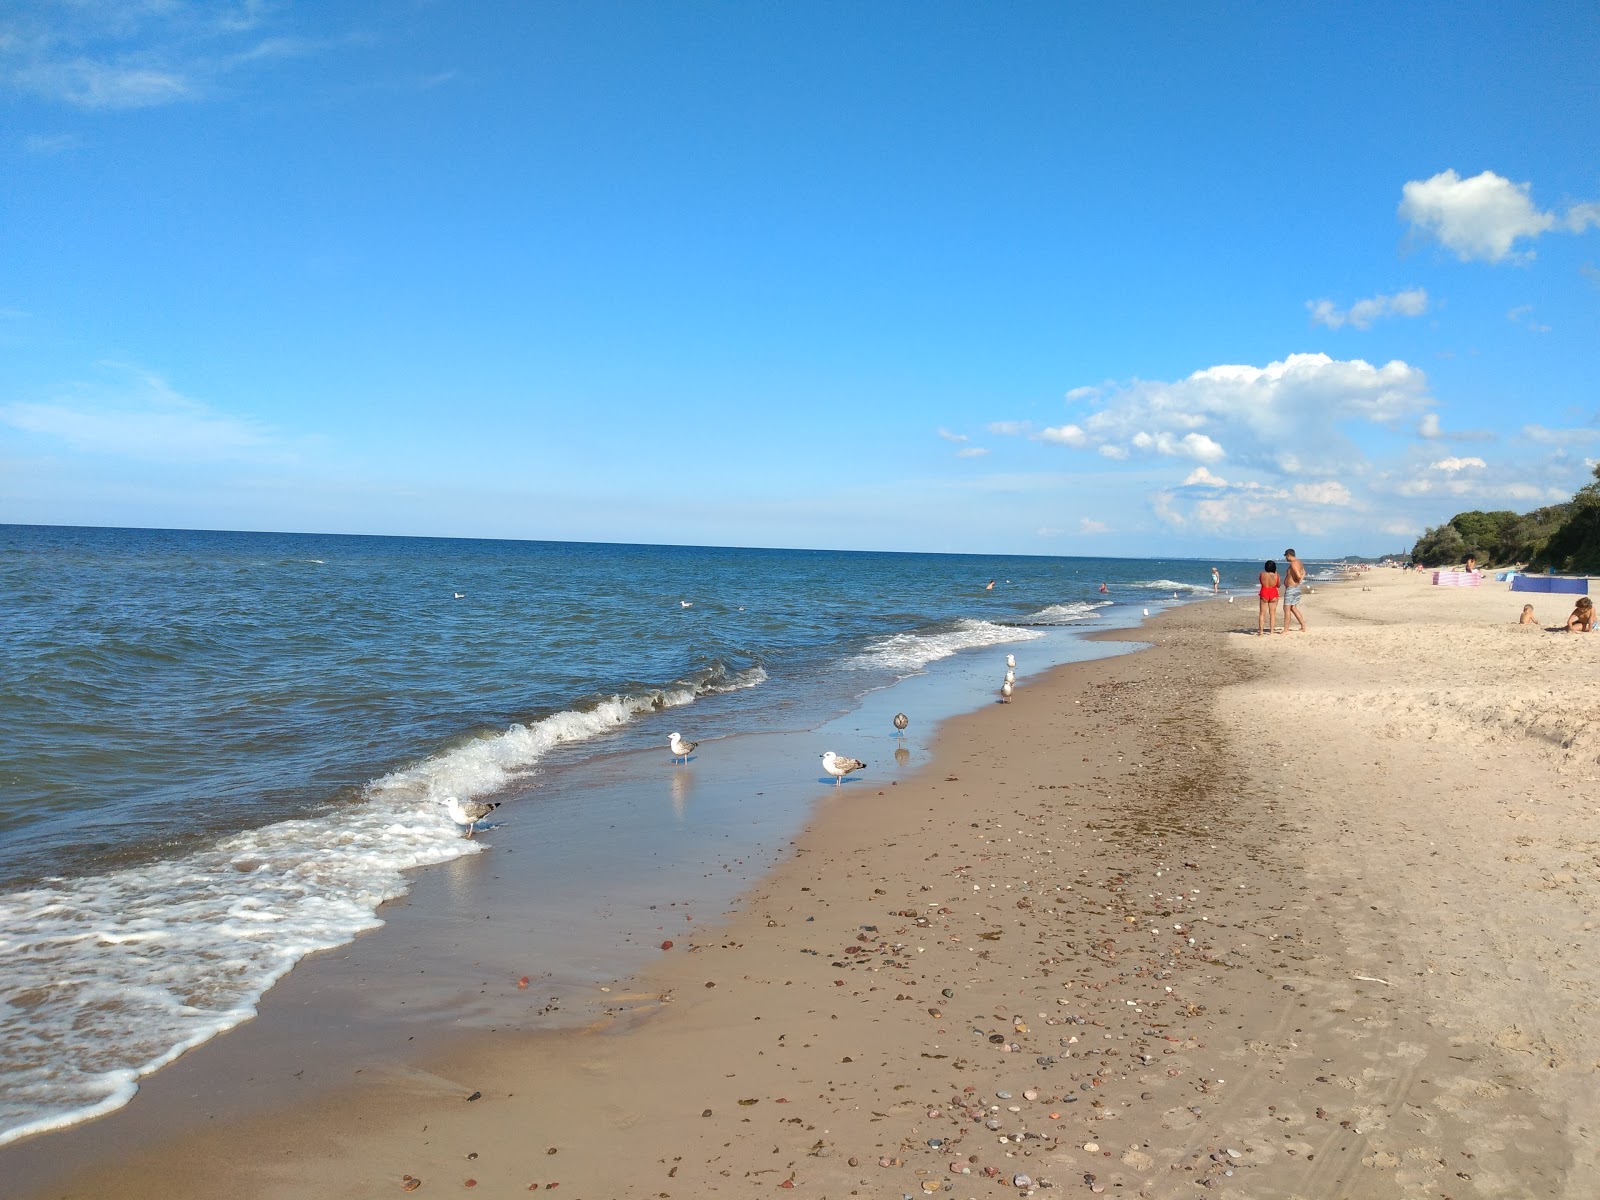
<point x="1412" y="302"/>
<point x="1276" y="416"/>
<point x="1484" y="217"/>
<point x="1064" y="435"/>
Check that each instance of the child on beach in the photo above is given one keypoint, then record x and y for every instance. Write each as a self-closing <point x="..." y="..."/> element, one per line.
<point x="1267" y="613"/>
<point x="1527" y="616"/>
<point x="1582" y="618"/>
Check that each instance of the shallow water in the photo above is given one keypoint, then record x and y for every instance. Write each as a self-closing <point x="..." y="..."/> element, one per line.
<point x="225" y="751"/>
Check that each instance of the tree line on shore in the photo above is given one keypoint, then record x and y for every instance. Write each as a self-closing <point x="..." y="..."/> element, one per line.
<point x="1558" y="537"/>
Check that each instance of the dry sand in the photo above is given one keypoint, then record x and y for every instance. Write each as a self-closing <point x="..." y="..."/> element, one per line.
<point x="1295" y="916"/>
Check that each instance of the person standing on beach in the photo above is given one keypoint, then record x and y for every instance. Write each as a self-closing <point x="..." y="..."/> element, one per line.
<point x="1216" y="581"/>
<point x="1267" y="614"/>
<point x="1294" y="576"/>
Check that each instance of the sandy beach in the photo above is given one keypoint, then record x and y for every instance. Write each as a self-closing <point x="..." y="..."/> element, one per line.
<point x="1298" y="916"/>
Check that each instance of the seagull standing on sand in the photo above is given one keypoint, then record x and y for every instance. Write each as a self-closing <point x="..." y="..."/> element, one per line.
<point x="1005" y="691"/>
<point x="469" y="812"/>
<point x="900" y="723"/>
<point x="840" y="767"/>
<point x="680" y="748"/>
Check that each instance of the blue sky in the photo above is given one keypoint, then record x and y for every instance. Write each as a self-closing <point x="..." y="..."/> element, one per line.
<point x="932" y="276"/>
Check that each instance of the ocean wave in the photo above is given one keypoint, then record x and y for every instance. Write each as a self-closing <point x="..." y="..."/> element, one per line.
<point x="1066" y="614"/>
<point x="1168" y="585"/>
<point x="912" y="651"/>
<point x="144" y="964"/>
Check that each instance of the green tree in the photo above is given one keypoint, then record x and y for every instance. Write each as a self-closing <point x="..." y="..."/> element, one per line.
<point x="1440" y="546"/>
<point x="1575" y="545"/>
<point x="1486" y="534"/>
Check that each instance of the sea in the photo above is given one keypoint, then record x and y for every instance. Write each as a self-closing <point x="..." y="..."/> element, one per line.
<point x="223" y="752"/>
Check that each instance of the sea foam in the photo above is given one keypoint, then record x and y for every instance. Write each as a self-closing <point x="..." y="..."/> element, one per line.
<point x="145" y="963"/>
<point x="910" y="652"/>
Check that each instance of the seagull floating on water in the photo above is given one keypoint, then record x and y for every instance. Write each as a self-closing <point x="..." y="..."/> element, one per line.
<point x="840" y="767"/>
<point x="686" y="603"/>
<point x="1005" y="691"/>
<point x="680" y="748"/>
<point x="459" y="596"/>
<point x="469" y="812"/>
<point x="900" y="722"/>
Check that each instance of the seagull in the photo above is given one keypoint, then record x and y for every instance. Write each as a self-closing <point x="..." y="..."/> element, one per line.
<point x="1011" y="661"/>
<point x="470" y="812"/>
<point x="1147" y="612"/>
<point x="1005" y="691"/>
<point x="685" y="603"/>
<point x="840" y="767"/>
<point x="1011" y="676"/>
<point x="458" y="596"/>
<point x="900" y="723"/>
<point x="680" y="748"/>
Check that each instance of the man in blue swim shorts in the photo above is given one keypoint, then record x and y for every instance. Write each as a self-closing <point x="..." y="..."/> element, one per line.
<point x="1294" y="574"/>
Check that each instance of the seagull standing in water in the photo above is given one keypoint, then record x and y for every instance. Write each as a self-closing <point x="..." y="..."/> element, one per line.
<point x="900" y="723"/>
<point x="1011" y="662"/>
<point x="1005" y="691"/>
<point x="680" y="748"/>
<point x="469" y="812"/>
<point x="840" y="767"/>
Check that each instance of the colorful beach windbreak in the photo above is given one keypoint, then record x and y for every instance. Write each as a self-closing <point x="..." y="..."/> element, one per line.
<point x="220" y="752"/>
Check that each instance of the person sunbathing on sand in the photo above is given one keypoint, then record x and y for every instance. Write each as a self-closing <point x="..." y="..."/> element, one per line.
<point x="1582" y="618"/>
<point x="1527" y="616"/>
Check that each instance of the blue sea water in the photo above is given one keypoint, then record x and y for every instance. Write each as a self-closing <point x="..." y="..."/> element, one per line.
<point x="221" y="752"/>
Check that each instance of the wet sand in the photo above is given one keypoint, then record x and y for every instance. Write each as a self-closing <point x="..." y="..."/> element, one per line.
<point x="1288" y="916"/>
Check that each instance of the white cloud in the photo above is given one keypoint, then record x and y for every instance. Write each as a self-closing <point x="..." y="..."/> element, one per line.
<point x="1412" y="302"/>
<point x="50" y="143"/>
<point x="144" y="419"/>
<point x="952" y="437"/>
<point x="1064" y="435"/>
<point x="1085" y="525"/>
<point x="1202" y="476"/>
<point x="1540" y="433"/>
<point x="1428" y="427"/>
<point x="1329" y="491"/>
<point x="1083" y="393"/>
<point x="1581" y="216"/>
<point x="1290" y="411"/>
<point x="1522" y="315"/>
<point x="1009" y="428"/>
<point x="971" y="452"/>
<point x="1456" y="464"/>
<point x="108" y="56"/>
<point x="1483" y="217"/>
